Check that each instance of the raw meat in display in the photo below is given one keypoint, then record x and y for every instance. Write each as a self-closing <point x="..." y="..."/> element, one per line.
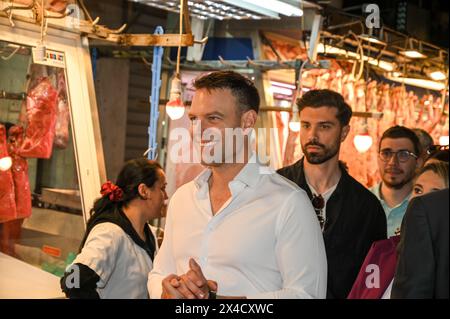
<point x="63" y="116"/>
<point x="399" y="107"/>
<point x="349" y="89"/>
<point x="7" y="202"/>
<point x="41" y="112"/>
<point x="62" y="125"/>
<point x="50" y="5"/>
<point x="19" y="171"/>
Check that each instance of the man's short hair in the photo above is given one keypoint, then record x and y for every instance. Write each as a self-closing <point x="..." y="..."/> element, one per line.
<point x="241" y="88"/>
<point x="403" y="132"/>
<point x="327" y="98"/>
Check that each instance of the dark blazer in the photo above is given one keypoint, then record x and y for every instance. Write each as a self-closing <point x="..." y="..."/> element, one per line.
<point x="355" y="219"/>
<point x="422" y="267"/>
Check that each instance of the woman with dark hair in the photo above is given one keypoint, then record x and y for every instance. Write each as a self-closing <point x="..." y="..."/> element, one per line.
<point x="117" y="251"/>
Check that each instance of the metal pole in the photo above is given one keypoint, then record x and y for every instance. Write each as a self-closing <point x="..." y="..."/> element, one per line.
<point x="154" y="98"/>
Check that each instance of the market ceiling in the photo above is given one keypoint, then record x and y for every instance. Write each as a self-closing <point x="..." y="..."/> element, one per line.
<point x="236" y="9"/>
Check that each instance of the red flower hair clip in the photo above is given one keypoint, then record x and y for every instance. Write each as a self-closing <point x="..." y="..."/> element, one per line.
<point x="111" y="190"/>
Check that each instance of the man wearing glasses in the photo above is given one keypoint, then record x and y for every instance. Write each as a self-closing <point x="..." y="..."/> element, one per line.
<point x="398" y="159"/>
<point x="350" y="215"/>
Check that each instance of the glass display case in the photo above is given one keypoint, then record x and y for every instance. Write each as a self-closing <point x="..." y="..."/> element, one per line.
<point x="51" y="157"/>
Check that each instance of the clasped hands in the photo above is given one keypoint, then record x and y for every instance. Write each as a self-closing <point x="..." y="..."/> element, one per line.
<point x="191" y="285"/>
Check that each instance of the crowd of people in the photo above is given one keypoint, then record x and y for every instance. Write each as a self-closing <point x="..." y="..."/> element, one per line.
<point x="305" y="231"/>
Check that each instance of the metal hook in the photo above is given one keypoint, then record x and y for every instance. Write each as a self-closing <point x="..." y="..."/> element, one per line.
<point x="202" y="41"/>
<point x="233" y="65"/>
<point x="94" y="23"/>
<point x="9" y="10"/>
<point x="117" y="31"/>
<point x="61" y="16"/>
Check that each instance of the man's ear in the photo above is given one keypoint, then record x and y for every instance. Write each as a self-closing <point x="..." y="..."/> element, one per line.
<point x="344" y="133"/>
<point x="248" y="120"/>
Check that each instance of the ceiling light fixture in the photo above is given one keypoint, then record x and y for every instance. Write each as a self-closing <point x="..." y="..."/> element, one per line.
<point x="426" y="84"/>
<point x="411" y="52"/>
<point x="175" y="106"/>
<point x="328" y="49"/>
<point x="278" y="6"/>
<point x="437" y="75"/>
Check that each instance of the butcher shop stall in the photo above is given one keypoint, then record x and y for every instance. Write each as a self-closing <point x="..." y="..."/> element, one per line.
<point x="51" y="161"/>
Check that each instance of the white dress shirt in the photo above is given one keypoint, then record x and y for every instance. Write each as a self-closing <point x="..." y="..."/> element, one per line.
<point x="265" y="242"/>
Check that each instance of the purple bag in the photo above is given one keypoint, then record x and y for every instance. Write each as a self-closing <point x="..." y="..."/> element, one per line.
<point x="377" y="270"/>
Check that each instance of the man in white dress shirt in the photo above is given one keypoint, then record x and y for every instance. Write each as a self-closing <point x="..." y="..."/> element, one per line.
<point x="237" y="231"/>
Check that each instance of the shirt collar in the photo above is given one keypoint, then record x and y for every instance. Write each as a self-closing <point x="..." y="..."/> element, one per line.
<point x="202" y="178"/>
<point x="377" y="192"/>
<point x="249" y="174"/>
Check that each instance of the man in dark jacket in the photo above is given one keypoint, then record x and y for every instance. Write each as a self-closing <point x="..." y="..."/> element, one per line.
<point x="422" y="267"/>
<point x="351" y="217"/>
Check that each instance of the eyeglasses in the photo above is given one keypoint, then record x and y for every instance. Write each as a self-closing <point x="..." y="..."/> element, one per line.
<point x="402" y="156"/>
<point x="435" y="148"/>
<point x="319" y="203"/>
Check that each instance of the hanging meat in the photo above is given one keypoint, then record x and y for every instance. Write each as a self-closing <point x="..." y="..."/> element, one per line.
<point x="63" y="116"/>
<point x="41" y="113"/>
<point x="336" y="82"/>
<point x="50" y="5"/>
<point x="372" y="129"/>
<point x="19" y="171"/>
<point x="62" y="125"/>
<point x="385" y="106"/>
<point x="7" y="202"/>
<point x="348" y="89"/>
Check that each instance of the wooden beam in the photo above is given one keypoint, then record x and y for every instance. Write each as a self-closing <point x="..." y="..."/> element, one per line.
<point x="101" y="35"/>
<point x="164" y="40"/>
<point x="186" y="19"/>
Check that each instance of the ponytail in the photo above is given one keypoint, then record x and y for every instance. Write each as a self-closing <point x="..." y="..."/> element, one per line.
<point x="132" y="174"/>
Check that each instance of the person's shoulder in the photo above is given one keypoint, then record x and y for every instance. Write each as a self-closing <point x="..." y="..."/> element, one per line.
<point x="106" y="231"/>
<point x="356" y="186"/>
<point x="285" y="192"/>
<point x="360" y="192"/>
<point x="186" y="188"/>
<point x="282" y="183"/>
<point x="107" y="227"/>
<point x="433" y="202"/>
<point x="290" y="170"/>
<point x="435" y="197"/>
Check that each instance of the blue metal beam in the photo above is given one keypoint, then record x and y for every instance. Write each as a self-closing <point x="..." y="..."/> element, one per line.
<point x="154" y="98"/>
